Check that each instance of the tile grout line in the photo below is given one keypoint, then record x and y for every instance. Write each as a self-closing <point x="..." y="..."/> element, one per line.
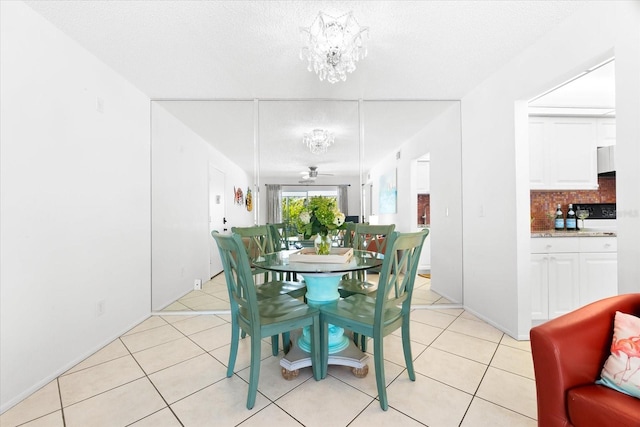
<point x="199" y="390"/>
<point x="236" y="373"/>
<point x="362" y="411"/>
<point x="404" y="370"/>
<point x="64" y="421"/>
<point x="159" y="394"/>
<point x="104" y="391"/>
<point x="284" y="410"/>
<point x="25" y="422"/>
<point x="68" y="374"/>
<point x="145" y="375"/>
<point x="504" y="407"/>
<point x="480" y="382"/>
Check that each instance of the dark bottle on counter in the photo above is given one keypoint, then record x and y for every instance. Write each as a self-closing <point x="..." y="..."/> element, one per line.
<point x="572" y="224"/>
<point x="559" y="222"/>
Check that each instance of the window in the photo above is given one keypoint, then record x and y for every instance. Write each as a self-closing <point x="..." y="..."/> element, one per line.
<point x="293" y="201"/>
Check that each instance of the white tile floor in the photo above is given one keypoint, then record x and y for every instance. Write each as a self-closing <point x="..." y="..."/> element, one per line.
<point x="170" y="371"/>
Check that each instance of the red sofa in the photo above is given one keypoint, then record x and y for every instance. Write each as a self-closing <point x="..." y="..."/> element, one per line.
<point x="568" y="355"/>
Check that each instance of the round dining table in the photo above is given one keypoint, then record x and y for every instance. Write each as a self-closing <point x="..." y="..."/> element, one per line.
<point x="322" y="275"/>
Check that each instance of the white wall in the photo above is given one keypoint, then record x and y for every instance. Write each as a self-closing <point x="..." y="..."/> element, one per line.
<point x="180" y="205"/>
<point x="440" y="138"/>
<point x="627" y="51"/>
<point x="494" y="159"/>
<point x="75" y="204"/>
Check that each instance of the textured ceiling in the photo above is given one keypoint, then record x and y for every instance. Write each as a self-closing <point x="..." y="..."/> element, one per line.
<point x="418" y="50"/>
<point x="249" y="49"/>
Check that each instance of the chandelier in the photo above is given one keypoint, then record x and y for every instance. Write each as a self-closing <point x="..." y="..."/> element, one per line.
<point x="318" y="140"/>
<point x="333" y="46"/>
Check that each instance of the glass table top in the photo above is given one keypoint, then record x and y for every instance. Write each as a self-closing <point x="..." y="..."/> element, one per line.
<point x="279" y="261"/>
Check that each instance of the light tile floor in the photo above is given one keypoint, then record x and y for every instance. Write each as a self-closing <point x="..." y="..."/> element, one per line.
<point x="171" y="371"/>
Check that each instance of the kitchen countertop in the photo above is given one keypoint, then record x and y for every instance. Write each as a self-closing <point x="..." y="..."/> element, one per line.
<point x="579" y="233"/>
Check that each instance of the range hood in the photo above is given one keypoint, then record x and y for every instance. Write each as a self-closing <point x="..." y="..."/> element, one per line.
<point x="607" y="160"/>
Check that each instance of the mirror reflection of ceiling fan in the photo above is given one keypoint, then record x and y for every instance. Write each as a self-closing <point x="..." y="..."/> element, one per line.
<point x="312" y="174"/>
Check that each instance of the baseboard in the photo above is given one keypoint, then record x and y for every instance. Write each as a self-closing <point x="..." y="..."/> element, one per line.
<point x="499" y="327"/>
<point x="177" y="298"/>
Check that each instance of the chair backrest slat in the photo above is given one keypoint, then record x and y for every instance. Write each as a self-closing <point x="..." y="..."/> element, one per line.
<point x="346" y="235"/>
<point x="257" y="239"/>
<point x="399" y="268"/>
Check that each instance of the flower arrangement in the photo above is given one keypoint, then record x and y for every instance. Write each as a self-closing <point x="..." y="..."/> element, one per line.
<point x="319" y="217"/>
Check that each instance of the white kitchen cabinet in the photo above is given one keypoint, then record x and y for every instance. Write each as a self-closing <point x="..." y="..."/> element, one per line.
<point x="423" y="176"/>
<point x="606" y="159"/>
<point x="598" y="276"/>
<point x="606" y="132"/>
<point x="598" y="269"/>
<point x="562" y="153"/>
<point x="554" y="276"/>
<point x="555" y="285"/>
<point x="569" y="272"/>
<point x="564" y="283"/>
<point x="539" y="287"/>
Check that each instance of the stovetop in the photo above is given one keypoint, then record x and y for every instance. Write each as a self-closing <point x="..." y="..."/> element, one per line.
<point x="599" y="211"/>
<point x="602" y="216"/>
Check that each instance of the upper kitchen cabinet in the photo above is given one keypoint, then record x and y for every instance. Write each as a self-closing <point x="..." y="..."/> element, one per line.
<point x="606" y="128"/>
<point x="422" y="176"/>
<point x="563" y="153"/>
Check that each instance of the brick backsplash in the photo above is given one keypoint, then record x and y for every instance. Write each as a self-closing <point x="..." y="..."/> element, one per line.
<point x="424" y="201"/>
<point x="543" y="203"/>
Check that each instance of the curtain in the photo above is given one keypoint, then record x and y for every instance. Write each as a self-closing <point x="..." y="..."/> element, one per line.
<point x="274" y="203"/>
<point x="343" y="198"/>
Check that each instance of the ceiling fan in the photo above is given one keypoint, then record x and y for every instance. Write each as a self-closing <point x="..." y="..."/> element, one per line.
<point x="312" y="174"/>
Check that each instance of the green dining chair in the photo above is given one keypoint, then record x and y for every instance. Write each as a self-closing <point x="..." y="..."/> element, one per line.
<point x="260" y="318"/>
<point x="280" y="240"/>
<point x="389" y="310"/>
<point x="258" y="242"/>
<point x="369" y="238"/>
<point x="279" y="236"/>
<point x="345" y="237"/>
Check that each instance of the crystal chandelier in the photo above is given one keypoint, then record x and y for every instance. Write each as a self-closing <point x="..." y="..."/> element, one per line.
<point x="333" y="46"/>
<point x="318" y="140"/>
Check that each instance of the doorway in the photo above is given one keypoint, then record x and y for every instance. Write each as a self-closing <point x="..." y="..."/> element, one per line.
<point x="422" y="167"/>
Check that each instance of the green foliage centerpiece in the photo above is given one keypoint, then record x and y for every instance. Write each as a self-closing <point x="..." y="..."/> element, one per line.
<point x="319" y="217"/>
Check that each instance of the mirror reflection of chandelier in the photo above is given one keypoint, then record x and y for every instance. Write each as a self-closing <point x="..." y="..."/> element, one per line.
<point x="333" y="46"/>
<point x="318" y="140"/>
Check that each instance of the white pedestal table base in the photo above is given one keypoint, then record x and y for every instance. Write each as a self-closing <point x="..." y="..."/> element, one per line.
<point x="322" y="288"/>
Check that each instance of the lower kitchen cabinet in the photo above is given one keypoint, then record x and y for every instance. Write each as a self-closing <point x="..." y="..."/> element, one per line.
<point x="598" y="276"/>
<point x="567" y="273"/>
<point x="555" y="284"/>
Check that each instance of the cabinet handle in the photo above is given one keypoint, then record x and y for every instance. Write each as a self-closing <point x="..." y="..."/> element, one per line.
<point x="607" y="245"/>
